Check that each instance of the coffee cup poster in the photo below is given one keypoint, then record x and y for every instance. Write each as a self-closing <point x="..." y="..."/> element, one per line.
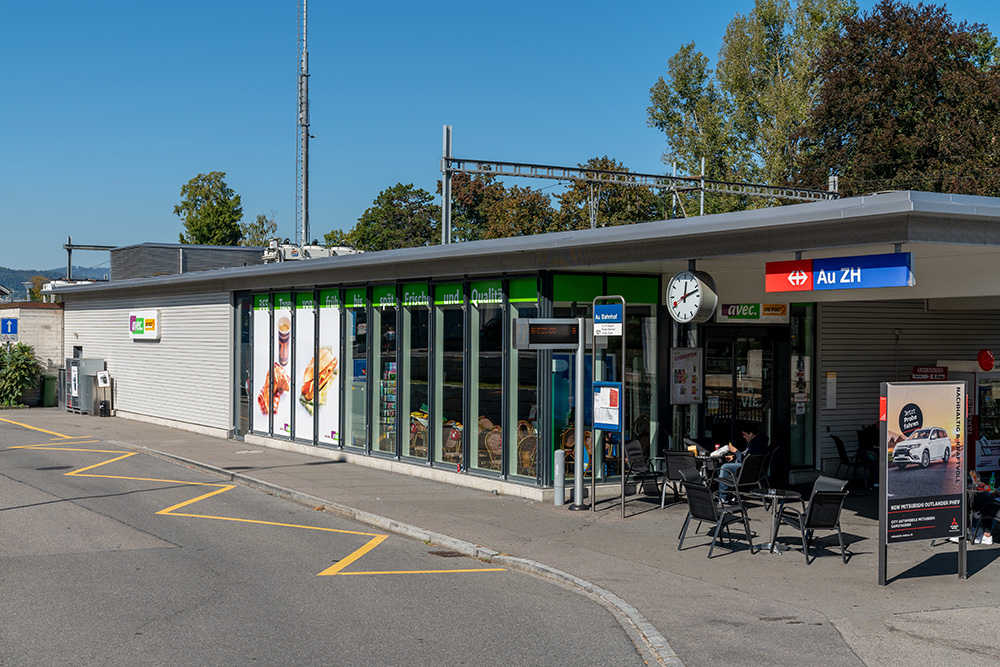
<point x="925" y="463"/>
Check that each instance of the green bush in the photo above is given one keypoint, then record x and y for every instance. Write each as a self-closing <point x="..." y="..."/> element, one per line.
<point x="19" y="371"/>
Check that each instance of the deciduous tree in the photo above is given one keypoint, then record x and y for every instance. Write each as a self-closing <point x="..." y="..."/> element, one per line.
<point x="910" y="100"/>
<point x="400" y="217"/>
<point x="210" y="210"/>
<point x="744" y="117"/>
<point x="615" y="203"/>
<point x="258" y="232"/>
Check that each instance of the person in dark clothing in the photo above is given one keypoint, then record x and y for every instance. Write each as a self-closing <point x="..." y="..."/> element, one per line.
<point x="756" y="444"/>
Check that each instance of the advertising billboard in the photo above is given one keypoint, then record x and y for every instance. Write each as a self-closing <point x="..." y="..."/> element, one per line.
<point x="326" y="395"/>
<point x="924" y="440"/>
<point x="305" y="364"/>
<point x="261" y="389"/>
<point x="282" y="369"/>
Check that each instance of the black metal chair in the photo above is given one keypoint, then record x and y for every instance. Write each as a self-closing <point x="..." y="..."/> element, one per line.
<point x="704" y="506"/>
<point x="675" y="464"/>
<point x="639" y="467"/>
<point x="747" y="478"/>
<point x="846" y="462"/>
<point x="821" y="513"/>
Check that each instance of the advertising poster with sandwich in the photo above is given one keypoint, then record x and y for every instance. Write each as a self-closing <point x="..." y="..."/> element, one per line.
<point x="324" y="395"/>
<point x="282" y="368"/>
<point x="924" y="426"/>
<point x="305" y="339"/>
<point x="259" y="391"/>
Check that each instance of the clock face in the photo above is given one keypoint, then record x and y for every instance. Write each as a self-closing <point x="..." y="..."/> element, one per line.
<point x="689" y="298"/>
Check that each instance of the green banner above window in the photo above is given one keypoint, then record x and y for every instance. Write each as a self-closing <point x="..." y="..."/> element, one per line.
<point x="384" y="296"/>
<point x="577" y="287"/>
<point x="522" y="290"/>
<point x="283" y="301"/>
<point x="262" y="302"/>
<point x="486" y="291"/>
<point x="448" y="294"/>
<point x="415" y="294"/>
<point x="635" y="289"/>
<point x="329" y="298"/>
<point x="305" y="300"/>
<point x="355" y="298"/>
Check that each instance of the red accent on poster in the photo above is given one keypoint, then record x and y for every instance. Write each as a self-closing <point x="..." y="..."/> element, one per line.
<point x="881" y="408"/>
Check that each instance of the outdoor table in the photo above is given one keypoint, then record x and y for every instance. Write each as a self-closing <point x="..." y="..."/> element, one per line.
<point x="708" y="465"/>
<point x="778" y="498"/>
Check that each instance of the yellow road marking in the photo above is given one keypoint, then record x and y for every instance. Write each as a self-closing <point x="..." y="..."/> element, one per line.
<point x="488" y="569"/>
<point x="33" y="428"/>
<point x="344" y="562"/>
<point x="336" y="569"/>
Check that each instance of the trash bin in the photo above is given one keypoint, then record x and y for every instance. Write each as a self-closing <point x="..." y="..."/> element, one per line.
<point x="49" y="391"/>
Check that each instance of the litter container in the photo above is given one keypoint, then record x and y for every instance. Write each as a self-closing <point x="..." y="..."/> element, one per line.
<point x="49" y="391"/>
<point x="105" y="408"/>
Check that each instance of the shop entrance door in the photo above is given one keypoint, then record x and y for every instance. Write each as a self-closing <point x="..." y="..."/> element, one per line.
<point x="742" y="371"/>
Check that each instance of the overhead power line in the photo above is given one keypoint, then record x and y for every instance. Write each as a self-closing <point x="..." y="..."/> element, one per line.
<point x="451" y="165"/>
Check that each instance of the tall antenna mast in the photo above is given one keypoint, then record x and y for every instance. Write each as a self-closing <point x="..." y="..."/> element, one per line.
<point x="302" y="143"/>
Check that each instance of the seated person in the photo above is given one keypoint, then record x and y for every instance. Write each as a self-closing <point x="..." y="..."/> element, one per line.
<point x="987" y="505"/>
<point x="756" y="444"/>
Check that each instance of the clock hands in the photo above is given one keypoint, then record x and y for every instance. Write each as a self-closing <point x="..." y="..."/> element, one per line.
<point x="684" y="298"/>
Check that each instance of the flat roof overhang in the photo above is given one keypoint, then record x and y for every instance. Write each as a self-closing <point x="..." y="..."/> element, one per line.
<point x="919" y="221"/>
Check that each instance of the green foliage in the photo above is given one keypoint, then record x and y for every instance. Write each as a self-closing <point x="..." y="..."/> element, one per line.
<point x="616" y="204"/>
<point x="401" y="217"/>
<point x="211" y="211"/>
<point x="35" y="291"/>
<point x="744" y="117"/>
<point x="337" y="237"/>
<point x="258" y="232"/>
<point x="19" y="371"/>
<point x="910" y="100"/>
<point x="484" y="208"/>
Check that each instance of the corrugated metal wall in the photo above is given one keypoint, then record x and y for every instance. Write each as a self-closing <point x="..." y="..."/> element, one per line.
<point x="858" y="341"/>
<point x="185" y="376"/>
<point x="146" y="260"/>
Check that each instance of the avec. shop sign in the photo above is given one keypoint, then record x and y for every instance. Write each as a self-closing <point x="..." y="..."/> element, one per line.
<point x="144" y="325"/>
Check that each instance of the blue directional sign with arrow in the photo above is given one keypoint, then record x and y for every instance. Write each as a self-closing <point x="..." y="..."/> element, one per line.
<point x="8" y="329"/>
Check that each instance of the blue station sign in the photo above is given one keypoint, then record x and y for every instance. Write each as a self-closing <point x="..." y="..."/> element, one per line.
<point x="836" y="273"/>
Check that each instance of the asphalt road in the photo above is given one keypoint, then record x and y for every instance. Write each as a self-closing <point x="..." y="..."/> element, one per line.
<point x="111" y="557"/>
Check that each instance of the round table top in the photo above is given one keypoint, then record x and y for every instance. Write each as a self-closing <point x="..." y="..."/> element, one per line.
<point x="776" y="494"/>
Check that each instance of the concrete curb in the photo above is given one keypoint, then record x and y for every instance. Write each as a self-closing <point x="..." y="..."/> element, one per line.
<point x="654" y="642"/>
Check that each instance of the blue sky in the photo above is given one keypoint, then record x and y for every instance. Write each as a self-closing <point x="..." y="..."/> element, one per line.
<point x="108" y="108"/>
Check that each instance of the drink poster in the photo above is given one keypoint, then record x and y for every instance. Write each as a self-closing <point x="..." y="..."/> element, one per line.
<point x="327" y="393"/>
<point x="282" y="369"/>
<point x="260" y="391"/>
<point x="305" y="365"/>
<point x="924" y="481"/>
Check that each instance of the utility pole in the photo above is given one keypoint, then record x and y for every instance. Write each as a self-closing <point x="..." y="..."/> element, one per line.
<point x="302" y="152"/>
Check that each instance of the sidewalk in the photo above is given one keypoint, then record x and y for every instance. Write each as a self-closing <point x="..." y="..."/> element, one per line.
<point x="760" y="608"/>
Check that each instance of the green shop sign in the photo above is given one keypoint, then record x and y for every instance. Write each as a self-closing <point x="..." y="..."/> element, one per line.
<point x="522" y="290"/>
<point x="262" y="302"/>
<point x="486" y="291"/>
<point x="329" y="298"/>
<point x="355" y="298"/>
<point x="305" y="301"/>
<point x="384" y="296"/>
<point x="283" y="301"/>
<point x="415" y="294"/>
<point x="448" y="295"/>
